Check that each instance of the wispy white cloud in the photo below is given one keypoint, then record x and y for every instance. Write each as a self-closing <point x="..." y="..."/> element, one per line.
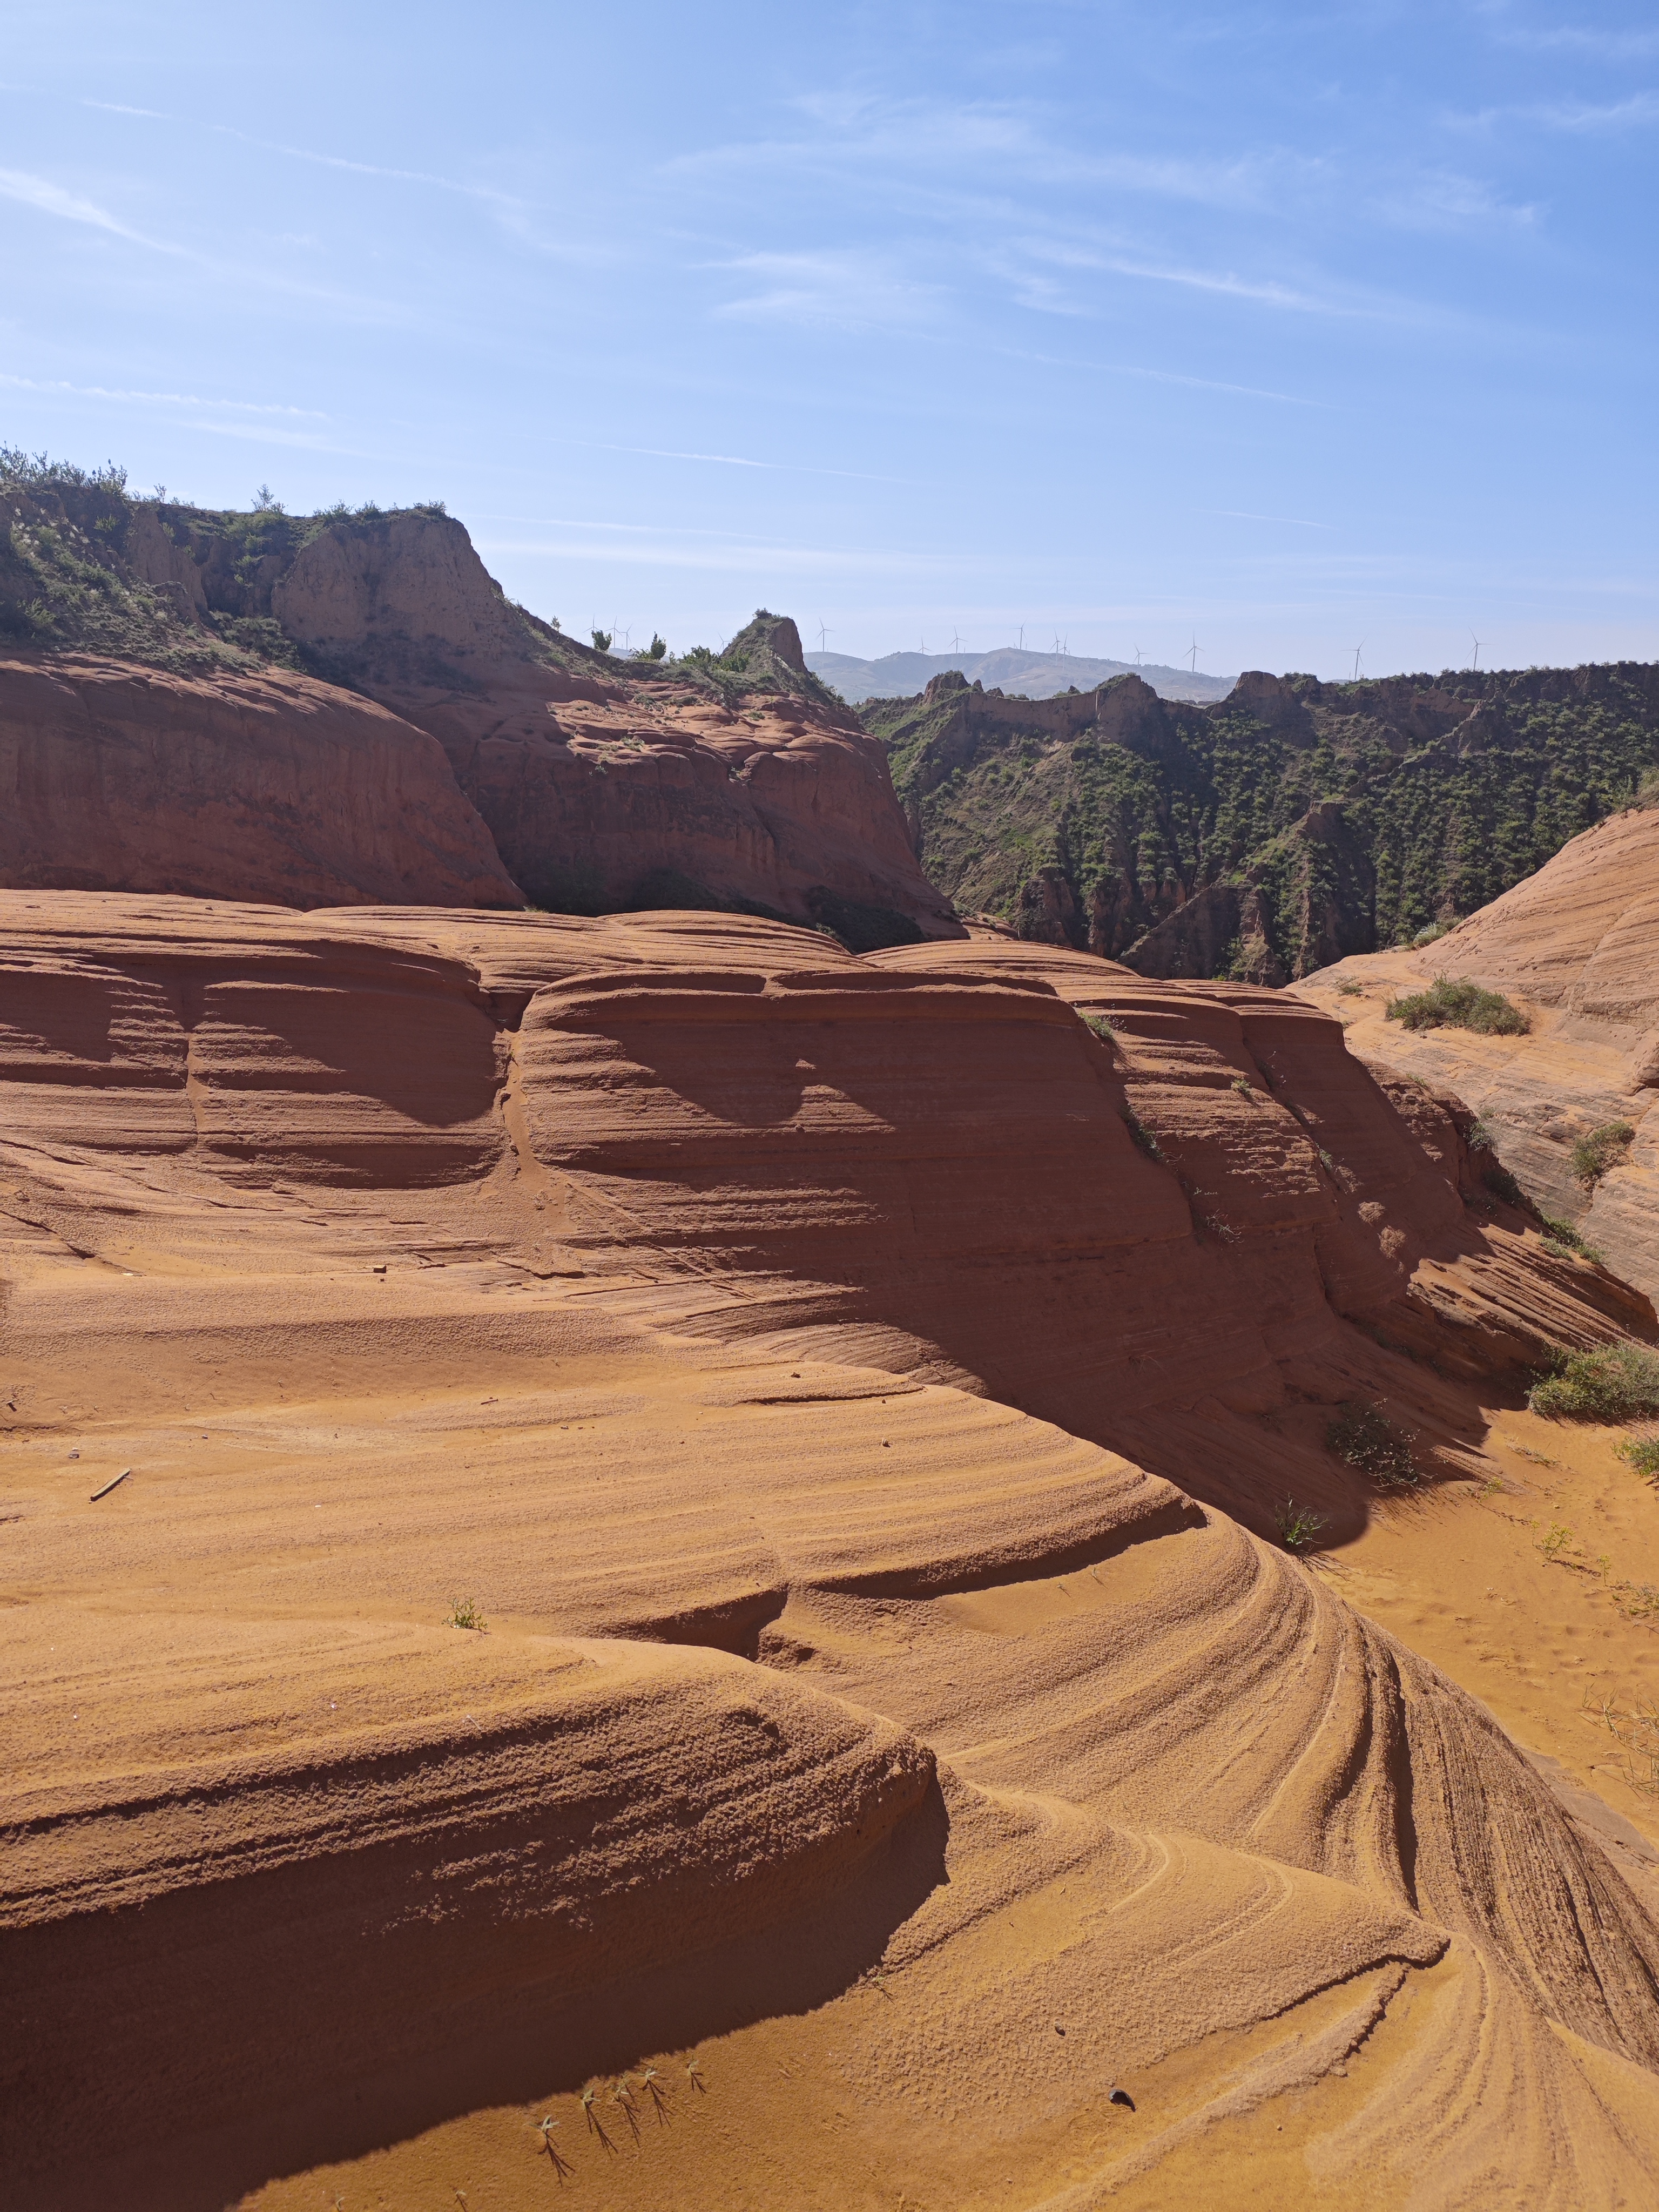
<point x="1443" y="199"/>
<point x="1241" y="514"/>
<point x="650" y="545"/>
<point x="115" y="107"/>
<point x="157" y="398"/>
<point x="49" y="198"/>
<point x="487" y="192"/>
<point x="1167" y="376"/>
<point x="842" y="290"/>
<point x="1602" y="44"/>
<point x="734" y="461"/>
<point x="1637" y="112"/>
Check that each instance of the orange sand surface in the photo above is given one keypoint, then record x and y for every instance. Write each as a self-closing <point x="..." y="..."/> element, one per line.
<point x="851" y="1400"/>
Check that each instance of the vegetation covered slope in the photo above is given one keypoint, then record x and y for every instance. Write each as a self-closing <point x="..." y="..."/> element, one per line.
<point x="1263" y="838"/>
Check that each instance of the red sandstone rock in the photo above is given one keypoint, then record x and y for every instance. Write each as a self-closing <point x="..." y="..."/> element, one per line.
<point x="268" y="787"/>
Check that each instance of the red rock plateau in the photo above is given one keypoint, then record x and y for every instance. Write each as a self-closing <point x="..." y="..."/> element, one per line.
<point x="640" y="1560"/>
<point x="461" y="752"/>
<point x="1575" y="947"/>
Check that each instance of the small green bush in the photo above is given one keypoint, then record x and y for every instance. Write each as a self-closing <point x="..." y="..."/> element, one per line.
<point x="1463" y="1005"/>
<point x="601" y="640"/>
<point x="1480" y="1138"/>
<point x="1360" y="1435"/>
<point x="1501" y="1183"/>
<point x="1615" y="1383"/>
<point x="1299" y="1528"/>
<point x="1642" y="1454"/>
<point x="1100" y="1025"/>
<point x="1602" y="1149"/>
<point x="1350" y="989"/>
<point x="463" y="1613"/>
<point x="1432" y="934"/>
<point x="1561" y="1239"/>
<point x="656" y="649"/>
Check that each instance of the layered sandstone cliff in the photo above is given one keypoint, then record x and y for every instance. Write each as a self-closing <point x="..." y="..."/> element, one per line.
<point x="691" y="1495"/>
<point x="220" y="741"/>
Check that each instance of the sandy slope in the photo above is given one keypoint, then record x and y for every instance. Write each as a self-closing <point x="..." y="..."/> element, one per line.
<point x="864" y="1454"/>
<point x="1577" y="947"/>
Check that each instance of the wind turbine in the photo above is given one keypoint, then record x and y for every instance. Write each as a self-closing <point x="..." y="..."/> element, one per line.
<point x="1193" y="651"/>
<point x="955" y="641"/>
<point x="1022" y="637"/>
<point x="1479" y="642"/>
<point x="1137" y="656"/>
<point x="1357" y="650"/>
<point x="822" y="633"/>
<point x="1057" y="644"/>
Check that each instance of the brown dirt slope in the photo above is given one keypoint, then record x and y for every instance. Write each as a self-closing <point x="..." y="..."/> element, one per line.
<point x="849" y="1399"/>
<point x="1575" y="947"/>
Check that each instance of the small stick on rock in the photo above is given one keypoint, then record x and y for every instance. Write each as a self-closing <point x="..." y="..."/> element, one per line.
<point x="114" y="1483"/>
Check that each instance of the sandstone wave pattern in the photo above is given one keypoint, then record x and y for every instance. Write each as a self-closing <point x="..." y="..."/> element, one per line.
<point x="1575" y="947"/>
<point x="641" y="1560"/>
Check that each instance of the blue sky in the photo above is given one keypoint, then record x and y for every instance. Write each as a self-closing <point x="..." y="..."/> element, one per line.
<point x="1283" y="332"/>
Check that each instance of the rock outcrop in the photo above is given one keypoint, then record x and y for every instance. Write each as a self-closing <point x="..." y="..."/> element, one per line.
<point x="736" y="782"/>
<point x="269" y="787"/>
<point x="1575" y="947"/>
<point x="673" y="1480"/>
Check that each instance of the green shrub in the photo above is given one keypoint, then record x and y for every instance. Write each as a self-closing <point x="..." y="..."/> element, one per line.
<point x="1642" y="1454"/>
<point x="1563" y="1239"/>
<point x="1480" y="1138"/>
<point x="1502" y="1184"/>
<point x="1463" y="1006"/>
<point x="601" y="640"/>
<point x="1435" y="930"/>
<point x="656" y="649"/>
<point x="1350" y="989"/>
<point x="1299" y="1528"/>
<point x="1615" y="1383"/>
<point x="1602" y="1149"/>
<point x="1100" y="1025"/>
<point x="1361" y="1436"/>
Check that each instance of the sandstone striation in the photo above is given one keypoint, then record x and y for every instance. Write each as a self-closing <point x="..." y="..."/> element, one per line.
<point x="1577" y="947"/>
<point x="266" y="787"/>
<point x="695" y="1496"/>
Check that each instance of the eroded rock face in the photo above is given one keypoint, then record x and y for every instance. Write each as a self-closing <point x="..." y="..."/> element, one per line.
<point x="606" y="783"/>
<point x="855" y="1393"/>
<point x="271" y="788"/>
<point x="1577" y="947"/>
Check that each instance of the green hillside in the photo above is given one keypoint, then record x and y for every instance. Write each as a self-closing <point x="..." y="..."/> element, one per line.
<point x="1289" y="825"/>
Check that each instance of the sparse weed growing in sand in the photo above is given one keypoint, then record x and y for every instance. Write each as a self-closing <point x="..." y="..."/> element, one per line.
<point x="1350" y="989"/>
<point x="1299" y="1528"/>
<point x="1604" y="1148"/>
<point x="1615" y="1383"/>
<point x="463" y="1613"/>
<point x="1642" y="1454"/>
<point x="1461" y="1006"/>
<point x="1360" y="1435"/>
<point x="1244" y="1087"/>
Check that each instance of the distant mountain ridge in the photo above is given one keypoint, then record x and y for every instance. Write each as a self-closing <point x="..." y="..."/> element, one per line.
<point x="1009" y="668"/>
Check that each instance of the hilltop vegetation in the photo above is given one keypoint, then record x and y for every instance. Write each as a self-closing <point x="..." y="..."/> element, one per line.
<point x="87" y="565"/>
<point x="1288" y="825"/>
